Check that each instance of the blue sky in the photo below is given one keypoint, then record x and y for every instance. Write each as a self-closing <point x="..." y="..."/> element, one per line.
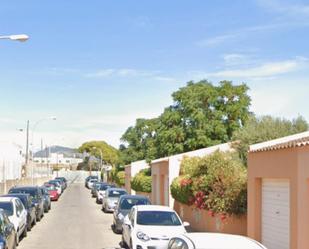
<point x="98" y="65"/>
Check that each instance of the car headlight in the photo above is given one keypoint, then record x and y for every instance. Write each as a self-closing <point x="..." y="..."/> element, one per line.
<point x="120" y="216"/>
<point x="142" y="236"/>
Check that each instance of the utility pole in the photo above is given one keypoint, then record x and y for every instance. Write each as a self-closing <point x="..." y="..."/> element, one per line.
<point x="27" y="144"/>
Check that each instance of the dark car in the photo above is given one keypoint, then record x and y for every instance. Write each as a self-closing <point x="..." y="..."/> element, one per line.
<point x="125" y="203"/>
<point x="46" y="197"/>
<point x="62" y="183"/>
<point x="8" y="237"/>
<point x="31" y="212"/>
<point x="37" y="198"/>
<point x="89" y="178"/>
<point x="63" y="179"/>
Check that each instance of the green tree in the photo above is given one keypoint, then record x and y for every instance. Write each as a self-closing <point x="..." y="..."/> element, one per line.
<point x="140" y="140"/>
<point x="110" y="155"/>
<point x="261" y="129"/>
<point x="202" y="115"/>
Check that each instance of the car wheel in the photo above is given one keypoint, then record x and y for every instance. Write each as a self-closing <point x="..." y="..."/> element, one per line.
<point x="49" y="207"/>
<point x="25" y="233"/>
<point x="29" y="227"/>
<point x="131" y="246"/>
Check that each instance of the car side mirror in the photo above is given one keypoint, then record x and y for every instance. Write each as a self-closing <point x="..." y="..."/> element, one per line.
<point x="186" y="224"/>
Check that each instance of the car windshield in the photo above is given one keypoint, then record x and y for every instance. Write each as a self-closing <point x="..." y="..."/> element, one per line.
<point x="129" y="203"/>
<point x="104" y="187"/>
<point x="7" y="207"/>
<point x="157" y="218"/>
<point x="50" y="187"/>
<point x="32" y="192"/>
<point x="116" y="193"/>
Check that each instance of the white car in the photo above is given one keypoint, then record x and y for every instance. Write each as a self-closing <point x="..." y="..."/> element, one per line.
<point x="91" y="182"/>
<point x="213" y="241"/>
<point x="111" y="197"/>
<point x="151" y="226"/>
<point x="16" y="213"/>
<point x="101" y="192"/>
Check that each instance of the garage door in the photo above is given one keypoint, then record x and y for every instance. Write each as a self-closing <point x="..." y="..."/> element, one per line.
<point x="276" y="213"/>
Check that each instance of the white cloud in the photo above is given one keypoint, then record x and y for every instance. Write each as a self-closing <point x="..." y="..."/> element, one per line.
<point x="235" y="59"/>
<point x="287" y="8"/>
<point x="269" y="69"/>
<point x="102" y="73"/>
<point x="122" y="72"/>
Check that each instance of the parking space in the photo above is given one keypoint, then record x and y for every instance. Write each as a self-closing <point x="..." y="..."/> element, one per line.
<point x="75" y="222"/>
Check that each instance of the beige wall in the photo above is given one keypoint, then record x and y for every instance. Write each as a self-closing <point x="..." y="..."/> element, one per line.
<point x="292" y="164"/>
<point x="4" y="187"/>
<point x="159" y="172"/>
<point x="201" y="221"/>
<point x="127" y="171"/>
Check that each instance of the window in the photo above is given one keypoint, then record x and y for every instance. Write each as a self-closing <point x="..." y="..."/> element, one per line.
<point x="157" y="218"/>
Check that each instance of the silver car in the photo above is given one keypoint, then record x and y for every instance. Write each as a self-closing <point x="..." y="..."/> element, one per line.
<point x="111" y="198"/>
<point x="125" y="203"/>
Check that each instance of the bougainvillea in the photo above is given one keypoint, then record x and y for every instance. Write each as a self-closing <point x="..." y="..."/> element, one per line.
<point x="219" y="187"/>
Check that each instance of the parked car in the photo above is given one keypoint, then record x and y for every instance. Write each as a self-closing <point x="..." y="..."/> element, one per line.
<point x="88" y="178"/>
<point x="37" y="198"/>
<point x="125" y="203"/>
<point x="30" y="208"/>
<point x="64" y="180"/>
<point x="91" y="182"/>
<point x="213" y="241"/>
<point x="94" y="188"/>
<point x="101" y="192"/>
<point x="17" y="214"/>
<point x="53" y="193"/>
<point x="151" y="226"/>
<point x="57" y="186"/>
<point x="8" y="236"/>
<point x="46" y="198"/>
<point x="111" y="198"/>
<point x="61" y="183"/>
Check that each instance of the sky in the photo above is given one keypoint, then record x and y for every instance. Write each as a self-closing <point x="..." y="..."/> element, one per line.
<point x="98" y="65"/>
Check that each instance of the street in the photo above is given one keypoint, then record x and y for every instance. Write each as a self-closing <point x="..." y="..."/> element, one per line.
<point x="74" y="222"/>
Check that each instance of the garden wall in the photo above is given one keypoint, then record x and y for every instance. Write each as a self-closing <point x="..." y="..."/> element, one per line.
<point x="201" y="221"/>
<point x="4" y="187"/>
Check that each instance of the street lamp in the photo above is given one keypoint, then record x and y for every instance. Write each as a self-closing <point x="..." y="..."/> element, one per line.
<point x="32" y="145"/>
<point x="21" y="37"/>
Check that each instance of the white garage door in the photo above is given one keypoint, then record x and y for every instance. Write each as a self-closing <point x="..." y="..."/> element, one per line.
<point x="276" y="213"/>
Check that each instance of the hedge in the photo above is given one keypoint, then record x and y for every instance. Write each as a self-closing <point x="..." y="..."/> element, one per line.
<point x="217" y="183"/>
<point x="142" y="181"/>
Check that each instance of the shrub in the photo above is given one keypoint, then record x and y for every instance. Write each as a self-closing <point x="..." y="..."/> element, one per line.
<point x="181" y="189"/>
<point x="217" y="182"/>
<point x="142" y="181"/>
<point x="120" y="178"/>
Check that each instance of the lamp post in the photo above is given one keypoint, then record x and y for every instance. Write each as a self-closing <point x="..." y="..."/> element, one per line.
<point x="32" y="144"/>
<point x="21" y="37"/>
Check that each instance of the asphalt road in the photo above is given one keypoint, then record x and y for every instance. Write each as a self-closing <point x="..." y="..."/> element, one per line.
<point x="75" y="222"/>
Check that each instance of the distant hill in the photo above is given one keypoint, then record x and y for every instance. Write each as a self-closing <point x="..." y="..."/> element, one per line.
<point x="67" y="152"/>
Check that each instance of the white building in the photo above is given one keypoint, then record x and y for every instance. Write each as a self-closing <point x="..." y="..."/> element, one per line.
<point x="58" y="159"/>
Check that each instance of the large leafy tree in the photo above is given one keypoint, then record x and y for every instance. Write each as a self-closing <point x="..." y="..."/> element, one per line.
<point x="201" y="115"/>
<point x="139" y="141"/>
<point x="260" y="129"/>
<point x="110" y="155"/>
